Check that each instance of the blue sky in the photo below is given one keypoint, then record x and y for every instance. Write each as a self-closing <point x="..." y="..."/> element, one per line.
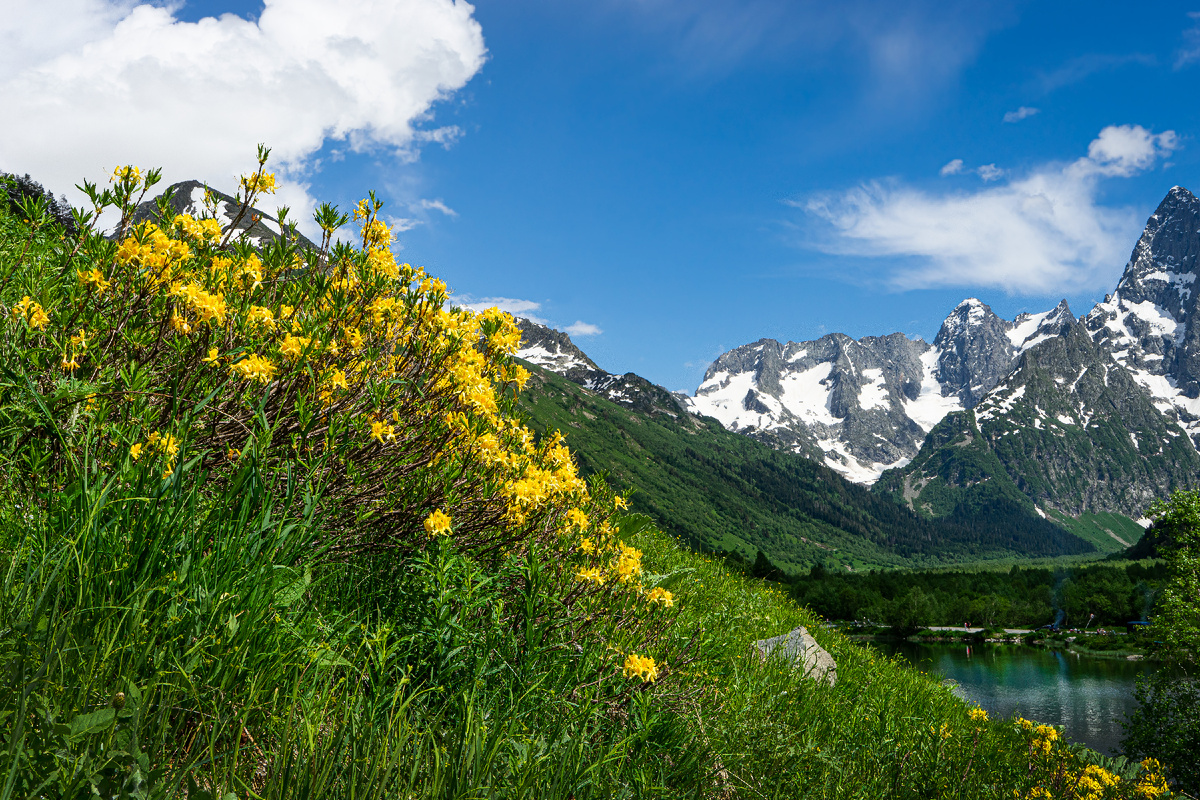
<point x="688" y="176"/>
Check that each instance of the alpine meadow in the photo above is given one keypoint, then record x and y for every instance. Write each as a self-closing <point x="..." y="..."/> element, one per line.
<point x="274" y="528"/>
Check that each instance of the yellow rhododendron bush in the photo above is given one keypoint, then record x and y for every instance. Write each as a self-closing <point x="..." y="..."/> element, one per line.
<point x="174" y="350"/>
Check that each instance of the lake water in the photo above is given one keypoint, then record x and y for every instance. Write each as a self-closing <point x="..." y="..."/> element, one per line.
<point x="1089" y="697"/>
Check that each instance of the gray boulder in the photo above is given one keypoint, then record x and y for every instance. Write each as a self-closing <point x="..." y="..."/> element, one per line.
<point x="802" y="650"/>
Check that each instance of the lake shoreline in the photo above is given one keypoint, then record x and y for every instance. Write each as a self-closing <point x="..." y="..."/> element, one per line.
<point x="1019" y="638"/>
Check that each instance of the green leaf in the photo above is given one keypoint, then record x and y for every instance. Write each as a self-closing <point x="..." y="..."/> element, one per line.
<point x="290" y="586"/>
<point x="84" y="724"/>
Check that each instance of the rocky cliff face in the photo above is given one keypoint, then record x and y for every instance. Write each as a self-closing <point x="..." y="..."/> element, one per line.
<point x="1149" y="323"/>
<point x="1098" y="414"/>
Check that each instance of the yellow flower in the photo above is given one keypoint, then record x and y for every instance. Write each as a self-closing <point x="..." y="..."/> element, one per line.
<point x="337" y="380"/>
<point x="587" y="546"/>
<point x="232" y="454"/>
<point x="213" y="356"/>
<point x="259" y="182"/>
<point x="93" y="277"/>
<point x="642" y="667"/>
<point x="629" y="563"/>
<point x="80" y="339"/>
<point x="978" y="715"/>
<point x="620" y="502"/>
<point x="660" y="595"/>
<point x="255" y="367"/>
<point x="135" y="452"/>
<point x="577" y="518"/>
<point x="130" y="173"/>
<point x="31" y="312"/>
<point x="261" y="316"/>
<point x="72" y="365"/>
<point x="437" y="523"/>
<point x="382" y="432"/>
<point x="590" y="575"/>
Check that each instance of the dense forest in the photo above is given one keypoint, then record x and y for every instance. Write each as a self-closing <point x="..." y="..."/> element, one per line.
<point x="1021" y="597"/>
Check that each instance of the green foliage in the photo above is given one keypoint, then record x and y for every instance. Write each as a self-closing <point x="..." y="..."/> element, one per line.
<point x="1167" y="721"/>
<point x="1021" y="597"/>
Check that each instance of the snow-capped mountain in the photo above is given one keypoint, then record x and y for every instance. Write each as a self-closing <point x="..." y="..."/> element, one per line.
<point x="864" y="406"/>
<point x="554" y="350"/>
<point x="1068" y="428"/>
<point x="1149" y="324"/>
<point x="188" y="197"/>
<point x="1045" y="412"/>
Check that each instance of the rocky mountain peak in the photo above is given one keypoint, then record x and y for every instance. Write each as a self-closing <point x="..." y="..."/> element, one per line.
<point x="1148" y="324"/>
<point x="974" y="351"/>
<point x="188" y="197"/>
<point x="553" y="350"/>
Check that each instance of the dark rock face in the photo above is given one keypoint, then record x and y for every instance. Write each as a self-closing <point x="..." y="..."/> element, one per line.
<point x="835" y="399"/>
<point x="187" y="197"/>
<point x="554" y="350"/>
<point x="1099" y="414"/>
<point x="1149" y="324"/>
<point x="975" y="351"/>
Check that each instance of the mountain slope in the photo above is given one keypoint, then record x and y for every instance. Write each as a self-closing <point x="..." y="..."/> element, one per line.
<point x="1068" y="429"/>
<point x="189" y="197"/>
<point x="1150" y="324"/>
<point x="720" y="490"/>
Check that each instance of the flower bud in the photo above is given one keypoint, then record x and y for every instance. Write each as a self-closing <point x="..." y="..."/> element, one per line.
<point x="118" y="700"/>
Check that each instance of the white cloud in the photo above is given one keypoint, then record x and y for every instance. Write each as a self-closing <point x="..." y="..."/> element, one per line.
<point x="526" y="309"/>
<point x="1040" y="233"/>
<point x="1122" y="150"/>
<point x="1191" y="37"/>
<point x="952" y="168"/>
<point x="989" y="172"/>
<point x="438" y="205"/>
<point x="98" y="83"/>
<point x="514" y="306"/>
<point x="1024" y="112"/>
<point x="580" y="328"/>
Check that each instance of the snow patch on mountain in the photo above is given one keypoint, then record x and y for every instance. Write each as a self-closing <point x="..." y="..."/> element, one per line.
<point x="931" y="405"/>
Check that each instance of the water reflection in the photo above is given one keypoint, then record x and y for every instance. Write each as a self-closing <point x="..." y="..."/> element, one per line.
<point x="1089" y="697"/>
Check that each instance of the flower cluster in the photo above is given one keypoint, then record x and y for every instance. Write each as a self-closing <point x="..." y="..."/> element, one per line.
<point x="31" y="312"/>
<point x="342" y="367"/>
<point x="643" y="667"/>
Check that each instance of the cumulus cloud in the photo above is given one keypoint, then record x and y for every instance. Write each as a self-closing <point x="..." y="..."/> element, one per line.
<point x="952" y="168"/>
<point x="580" y="328"/>
<point x="98" y="83"/>
<point x="1024" y="112"/>
<point x="1040" y="233"/>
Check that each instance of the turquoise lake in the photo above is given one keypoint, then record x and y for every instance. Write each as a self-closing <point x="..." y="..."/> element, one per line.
<point x="1089" y="697"/>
